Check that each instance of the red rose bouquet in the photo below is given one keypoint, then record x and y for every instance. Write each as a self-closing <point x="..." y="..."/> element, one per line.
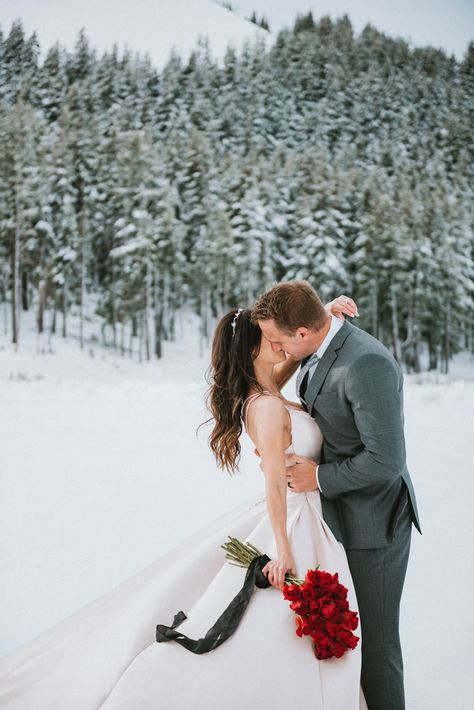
<point x="319" y="602"/>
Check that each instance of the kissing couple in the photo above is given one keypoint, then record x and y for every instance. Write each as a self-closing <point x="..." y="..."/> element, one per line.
<point x="337" y="493"/>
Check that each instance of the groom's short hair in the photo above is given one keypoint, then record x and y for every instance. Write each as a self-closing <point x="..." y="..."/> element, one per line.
<point x="292" y="305"/>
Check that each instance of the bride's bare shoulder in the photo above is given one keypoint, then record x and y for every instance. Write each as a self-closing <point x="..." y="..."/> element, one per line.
<point x="267" y="421"/>
<point x="265" y="406"/>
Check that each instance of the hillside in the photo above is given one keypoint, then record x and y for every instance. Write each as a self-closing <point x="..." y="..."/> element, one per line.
<point x="145" y="26"/>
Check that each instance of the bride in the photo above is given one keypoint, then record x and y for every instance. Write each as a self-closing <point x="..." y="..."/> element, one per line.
<point x="105" y="655"/>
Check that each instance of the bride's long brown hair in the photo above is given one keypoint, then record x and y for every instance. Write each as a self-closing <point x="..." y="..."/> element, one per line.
<point x="230" y="376"/>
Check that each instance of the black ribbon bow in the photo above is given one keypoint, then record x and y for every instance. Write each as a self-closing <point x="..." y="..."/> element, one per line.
<point x="228" y="621"/>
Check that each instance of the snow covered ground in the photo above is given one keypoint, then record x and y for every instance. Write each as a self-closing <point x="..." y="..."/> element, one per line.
<point x="102" y="472"/>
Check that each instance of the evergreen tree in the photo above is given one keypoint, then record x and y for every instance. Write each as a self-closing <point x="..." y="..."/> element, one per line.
<point x="126" y="193"/>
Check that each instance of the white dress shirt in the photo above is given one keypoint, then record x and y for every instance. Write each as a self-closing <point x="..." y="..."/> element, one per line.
<point x="336" y="324"/>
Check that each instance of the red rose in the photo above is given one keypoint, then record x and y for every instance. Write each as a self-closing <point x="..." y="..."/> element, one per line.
<point x="308" y="593"/>
<point x="299" y="626"/>
<point x="323" y="613"/>
<point x="348" y="638"/>
<point x="299" y="607"/>
<point x="291" y="592"/>
<point x="314" y="604"/>
<point x="333" y="627"/>
<point x="302" y="627"/>
<point x="320" y="637"/>
<point x="323" y="601"/>
<point x="338" y="649"/>
<point x="330" y="611"/>
<point x="342" y="590"/>
<point x="332" y="589"/>
<point x="350" y="619"/>
<point x="322" y="651"/>
<point x="353" y="642"/>
<point x="314" y="577"/>
<point x="328" y="578"/>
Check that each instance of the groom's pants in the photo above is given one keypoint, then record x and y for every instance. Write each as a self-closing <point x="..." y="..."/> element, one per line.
<point x="378" y="576"/>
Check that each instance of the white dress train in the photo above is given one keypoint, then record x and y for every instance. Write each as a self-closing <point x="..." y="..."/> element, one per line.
<point x="105" y="655"/>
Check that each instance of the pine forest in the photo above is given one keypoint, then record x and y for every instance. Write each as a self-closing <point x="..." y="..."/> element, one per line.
<point x="128" y="193"/>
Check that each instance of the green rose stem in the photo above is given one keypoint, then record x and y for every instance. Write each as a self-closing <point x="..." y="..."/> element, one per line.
<point x="241" y="555"/>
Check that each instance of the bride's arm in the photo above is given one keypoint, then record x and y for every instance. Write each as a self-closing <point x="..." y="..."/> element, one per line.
<point x="268" y="421"/>
<point x="284" y="371"/>
<point x="342" y="305"/>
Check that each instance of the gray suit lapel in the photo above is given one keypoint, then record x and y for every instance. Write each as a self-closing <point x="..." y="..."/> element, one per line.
<point x="325" y="364"/>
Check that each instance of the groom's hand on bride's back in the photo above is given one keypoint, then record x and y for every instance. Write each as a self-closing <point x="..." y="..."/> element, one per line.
<point x="301" y="473"/>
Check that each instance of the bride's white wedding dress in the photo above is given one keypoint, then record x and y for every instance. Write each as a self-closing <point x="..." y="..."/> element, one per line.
<point x="105" y="655"/>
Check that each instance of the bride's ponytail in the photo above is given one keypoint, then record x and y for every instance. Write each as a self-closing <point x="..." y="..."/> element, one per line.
<point x="231" y="373"/>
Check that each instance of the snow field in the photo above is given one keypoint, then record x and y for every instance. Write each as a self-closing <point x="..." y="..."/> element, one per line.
<point x="102" y="472"/>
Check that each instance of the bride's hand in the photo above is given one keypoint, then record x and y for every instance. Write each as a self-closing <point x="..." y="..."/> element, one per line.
<point x="275" y="570"/>
<point x="342" y="305"/>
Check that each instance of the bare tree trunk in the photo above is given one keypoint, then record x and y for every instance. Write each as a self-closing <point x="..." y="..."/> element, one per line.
<point x="114" y="329"/>
<point x="148" y="301"/>
<point x="114" y="308"/>
<point x="16" y="271"/>
<point x="103" y="333"/>
<point x="24" y="290"/>
<point x="158" y="313"/>
<point x="395" y="332"/>
<point x="140" y="338"/>
<point x="41" y="304"/>
<point x="447" y="340"/>
<point x="416" y="352"/>
<point x="433" y="355"/>
<point x="132" y="334"/>
<point x="169" y="309"/>
<point x="5" y="304"/>
<point x="82" y="237"/>
<point x="146" y="335"/>
<point x="223" y="291"/>
<point x="65" y="305"/>
<point x="171" y="321"/>
<point x="55" y="308"/>
<point x="407" y="343"/>
<point x="203" y="327"/>
<point x="122" y="337"/>
<point x="375" y="308"/>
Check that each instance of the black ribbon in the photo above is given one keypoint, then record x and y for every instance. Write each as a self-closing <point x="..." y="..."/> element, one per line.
<point x="228" y="621"/>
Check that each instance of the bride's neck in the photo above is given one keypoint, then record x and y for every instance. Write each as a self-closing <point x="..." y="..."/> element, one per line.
<point x="265" y="379"/>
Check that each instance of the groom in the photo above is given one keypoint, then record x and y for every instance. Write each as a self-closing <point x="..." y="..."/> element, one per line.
<point x="353" y="388"/>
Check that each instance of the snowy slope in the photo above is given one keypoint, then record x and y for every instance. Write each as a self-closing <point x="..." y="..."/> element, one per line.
<point x="102" y="473"/>
<point x="145" y="26"/>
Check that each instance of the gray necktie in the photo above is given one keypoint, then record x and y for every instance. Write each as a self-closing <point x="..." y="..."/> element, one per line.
<point x="304" y="370"/>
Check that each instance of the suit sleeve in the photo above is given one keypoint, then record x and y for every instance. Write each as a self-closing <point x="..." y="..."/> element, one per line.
<point x="374" y="389"/>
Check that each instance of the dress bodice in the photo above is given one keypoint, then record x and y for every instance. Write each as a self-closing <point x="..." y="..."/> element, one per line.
<point x="306" y="437"/>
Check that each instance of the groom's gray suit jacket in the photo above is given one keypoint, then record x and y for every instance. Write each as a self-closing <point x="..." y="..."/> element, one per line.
<point x="356" y="397"/>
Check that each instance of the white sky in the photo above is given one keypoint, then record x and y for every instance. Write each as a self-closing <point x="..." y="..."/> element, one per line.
<point x="144" y="26"/>
<point x="153" y="26"/>
<point x="441" y="23"/>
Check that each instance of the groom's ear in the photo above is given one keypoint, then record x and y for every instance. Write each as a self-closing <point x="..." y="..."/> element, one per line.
<point x="302" y="332"/>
